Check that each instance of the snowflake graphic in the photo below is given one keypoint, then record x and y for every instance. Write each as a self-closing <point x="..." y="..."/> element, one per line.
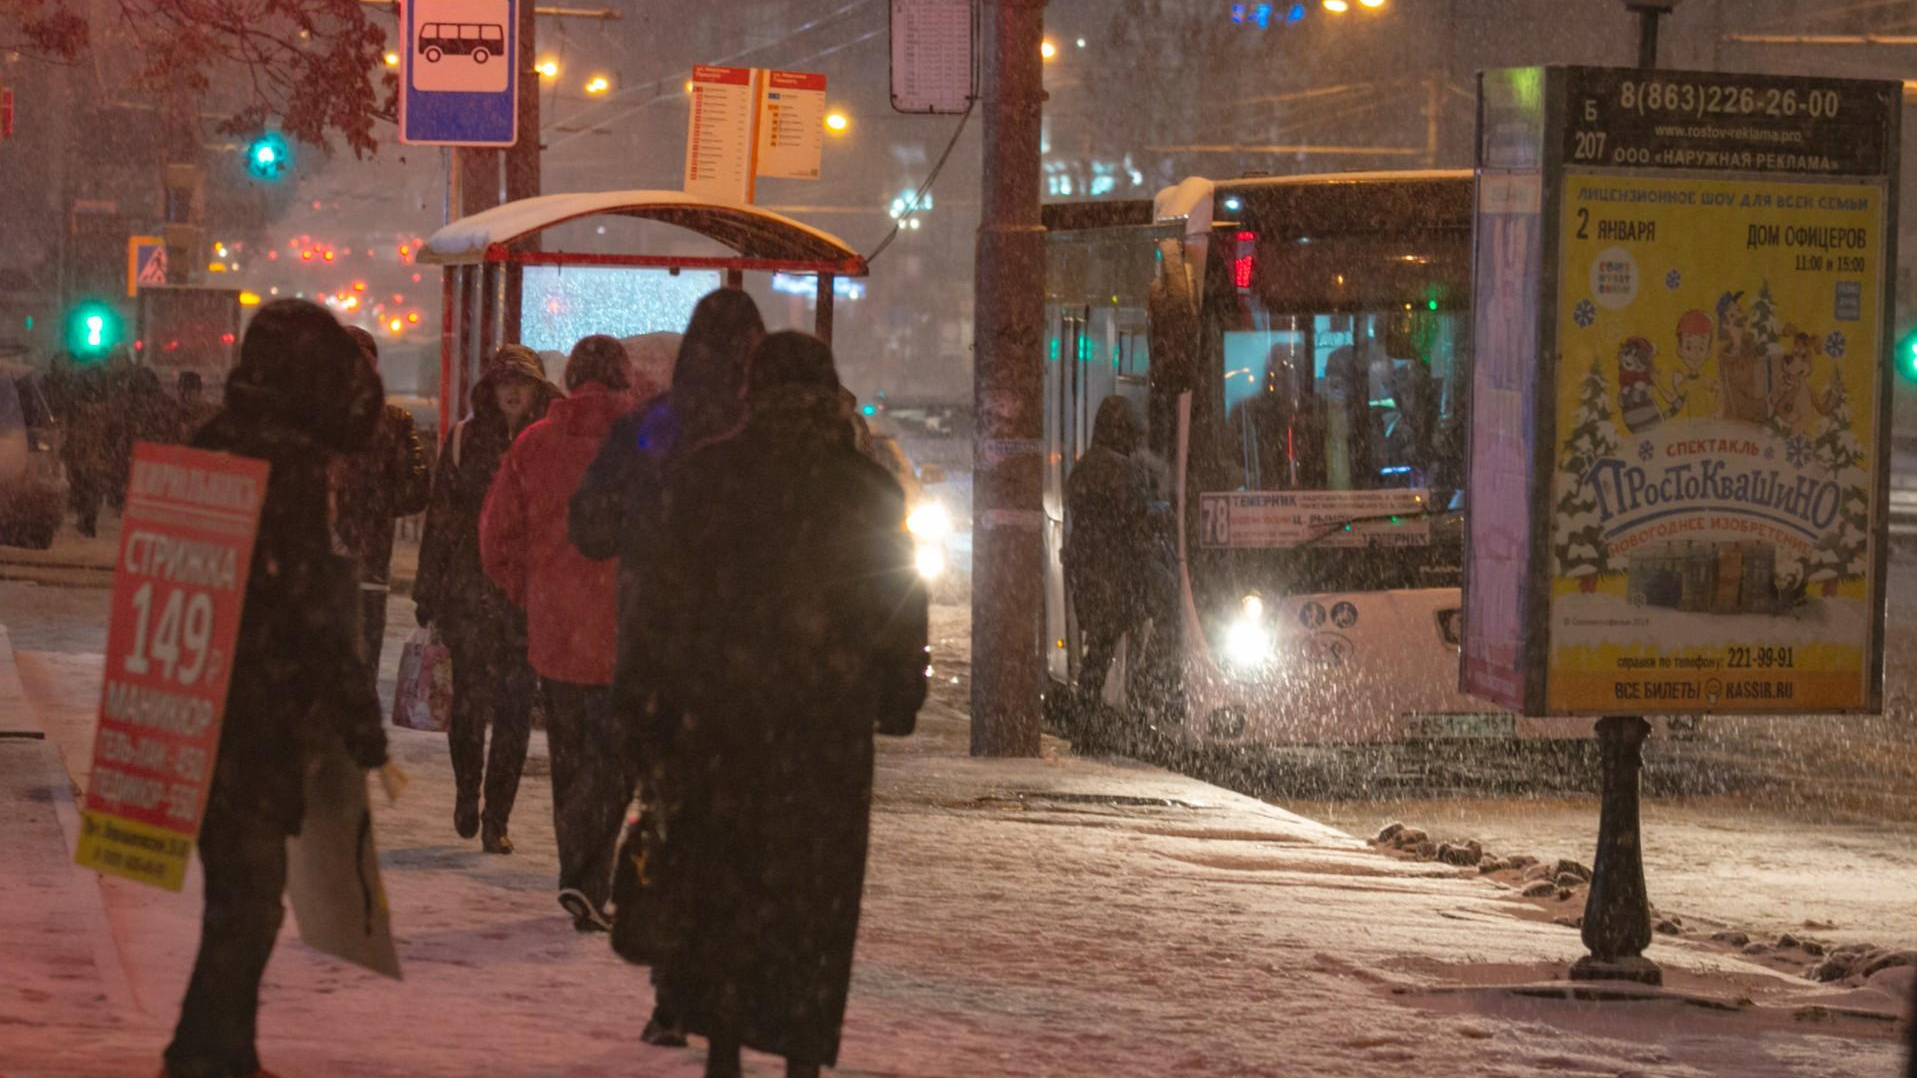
<point x="1584" y="313"/>
<point x="1644" y="451"/>
<point x="1798" y="451"/>
<point x="1673" y="279"/>
<point x="1834" y="344"/>
<point x="1770" y="452"/>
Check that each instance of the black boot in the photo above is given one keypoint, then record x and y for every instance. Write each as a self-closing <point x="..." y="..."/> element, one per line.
<point x="722" y="1060"/>
<point x="494" y="839"/>
<point x="466" y="816"/>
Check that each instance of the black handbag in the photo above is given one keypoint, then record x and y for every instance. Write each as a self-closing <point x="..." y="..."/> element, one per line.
<point x="639" y="922"/>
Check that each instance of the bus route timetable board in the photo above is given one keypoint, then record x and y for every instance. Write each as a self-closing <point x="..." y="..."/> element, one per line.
<point x="1678" y="453"/>
<point x="932" y="64"/>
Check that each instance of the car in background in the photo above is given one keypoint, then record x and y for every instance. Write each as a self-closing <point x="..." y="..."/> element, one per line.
<point x="926" y="516"/>
<point x="33" y="482"/>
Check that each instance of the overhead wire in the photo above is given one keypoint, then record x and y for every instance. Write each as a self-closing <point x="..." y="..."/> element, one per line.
<point x="918" y="197"/>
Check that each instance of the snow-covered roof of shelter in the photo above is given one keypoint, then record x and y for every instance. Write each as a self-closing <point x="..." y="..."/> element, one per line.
<point x="771" y="240"/>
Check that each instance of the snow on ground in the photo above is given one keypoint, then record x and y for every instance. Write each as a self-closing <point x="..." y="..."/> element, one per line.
<point x="1042" y="918"/>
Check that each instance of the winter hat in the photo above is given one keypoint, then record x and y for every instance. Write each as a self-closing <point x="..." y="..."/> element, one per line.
<point x="1694" y="323"/>
<point x="792" y="370"/>
<point x="599" y="359"/>
<point x="298" y="368"/>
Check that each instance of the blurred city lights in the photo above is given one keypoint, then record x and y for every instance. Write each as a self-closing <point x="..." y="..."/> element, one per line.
<point x="392" y="59"/>
<point x="549" y="68"/>
<point x="1049" y="50"/>
<point x="838" y="122"/>
<point x="1338" y="7"/>
<point x="598" y="84"/>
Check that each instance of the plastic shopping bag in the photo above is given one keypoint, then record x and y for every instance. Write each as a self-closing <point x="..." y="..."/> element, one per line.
<point x="423" y="699"/>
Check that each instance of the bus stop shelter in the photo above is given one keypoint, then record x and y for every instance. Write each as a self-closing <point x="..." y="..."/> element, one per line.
<point x="482" y="256"/>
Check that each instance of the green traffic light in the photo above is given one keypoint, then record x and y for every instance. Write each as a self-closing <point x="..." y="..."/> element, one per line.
<point x="268" y="156"/>
<point x="93" y="330"/>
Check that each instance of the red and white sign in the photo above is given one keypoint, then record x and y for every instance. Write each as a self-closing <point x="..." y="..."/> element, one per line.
<point x="719" y="138"/>
<point x="179" y="585"/>
<point x="791" y="125"/>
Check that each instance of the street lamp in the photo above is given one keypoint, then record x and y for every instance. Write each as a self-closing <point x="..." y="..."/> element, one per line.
<point x="1337" y="7"/>
<point x="392" y="59"/>
<point x="1047" y="49"/>
<point x="548" y="69"/>
<point x="838" y="122"/>
<point x="598" y="84"/>
<point x="1372" y="3"/>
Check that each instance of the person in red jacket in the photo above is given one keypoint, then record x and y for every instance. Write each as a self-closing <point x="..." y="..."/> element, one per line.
<point x="571" y="615"/>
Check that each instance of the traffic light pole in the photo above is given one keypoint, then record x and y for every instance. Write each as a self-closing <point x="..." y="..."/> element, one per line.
<point x="1617" y="910"/>
<point x="1008" y="392"/>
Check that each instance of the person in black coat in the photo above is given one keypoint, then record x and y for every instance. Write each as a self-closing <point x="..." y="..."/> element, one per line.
<point x="372" y="489"/>
<point x="617" y="508"/>
<point x="1110" y="544"/>
<point x="783" y="624"/>
<point x="486" y="633"/>
<point x="299" y="396"/>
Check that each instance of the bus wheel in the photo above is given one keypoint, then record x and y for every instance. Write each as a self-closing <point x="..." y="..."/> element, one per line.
<point x="480" y="56"/>
<point x="433" y="54"/>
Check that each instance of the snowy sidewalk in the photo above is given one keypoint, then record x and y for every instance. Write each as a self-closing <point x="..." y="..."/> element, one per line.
<point x="1042" y="917"/>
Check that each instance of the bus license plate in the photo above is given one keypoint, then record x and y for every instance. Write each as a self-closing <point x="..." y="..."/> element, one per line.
<point x="1462" y="725"/>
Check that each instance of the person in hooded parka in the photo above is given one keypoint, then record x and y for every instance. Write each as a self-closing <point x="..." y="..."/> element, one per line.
<point x="783" y="625"/>
<point x="299" y="397"/>
<point x="493" y="681"/>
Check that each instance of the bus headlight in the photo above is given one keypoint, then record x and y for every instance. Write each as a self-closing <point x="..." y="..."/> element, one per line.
<point x="930" y="559"/>
<point x="1248" y="640"/>
<point x="929" y="522"/>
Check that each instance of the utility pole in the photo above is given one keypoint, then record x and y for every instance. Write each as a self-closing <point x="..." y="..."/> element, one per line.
<point x="1617" y="909"/>
<point x="1008" y="392"/>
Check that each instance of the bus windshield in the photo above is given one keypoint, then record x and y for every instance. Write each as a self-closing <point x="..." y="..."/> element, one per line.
<point x="1363" y="401"/>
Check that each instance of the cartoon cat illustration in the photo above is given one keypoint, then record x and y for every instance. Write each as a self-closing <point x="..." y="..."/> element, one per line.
<point x="1641" y="402"/>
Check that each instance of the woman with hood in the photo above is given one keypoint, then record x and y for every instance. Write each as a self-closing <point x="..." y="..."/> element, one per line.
<point x="486" y="632"/>
<point x="299" y="397"/>
<point x="571" y="616"/>
<point x="785" y="624"/>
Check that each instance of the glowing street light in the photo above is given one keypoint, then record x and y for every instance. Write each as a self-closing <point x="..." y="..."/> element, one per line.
<point x="392" y="59"/>
<point x="549" y="69"/>
<point x="1049" y="50"/>
<point x="1371" y="3"/>
<point x="838" y="122"/>
<point x="1337" y="7"/>
<point x="598" y="84"/>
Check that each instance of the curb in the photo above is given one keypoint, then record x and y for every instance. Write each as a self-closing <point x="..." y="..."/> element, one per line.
<point x="51" y="781"/>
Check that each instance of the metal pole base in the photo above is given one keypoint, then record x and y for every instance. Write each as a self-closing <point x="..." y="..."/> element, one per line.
<point x="1617" y="913"/>
<point x="1637" y="968"/>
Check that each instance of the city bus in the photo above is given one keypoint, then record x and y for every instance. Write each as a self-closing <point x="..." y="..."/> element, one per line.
<point x="1298" y="351"/>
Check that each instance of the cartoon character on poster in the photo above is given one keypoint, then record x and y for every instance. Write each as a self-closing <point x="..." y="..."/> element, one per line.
<point x="1641" y="400"/>
<point x="1794" y="407"/>
<point x="1695" y="390"/>
<point x="1740" y="362"/>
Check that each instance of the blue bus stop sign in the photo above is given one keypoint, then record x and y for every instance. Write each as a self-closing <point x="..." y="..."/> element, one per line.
<point x="459" y="78"/>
